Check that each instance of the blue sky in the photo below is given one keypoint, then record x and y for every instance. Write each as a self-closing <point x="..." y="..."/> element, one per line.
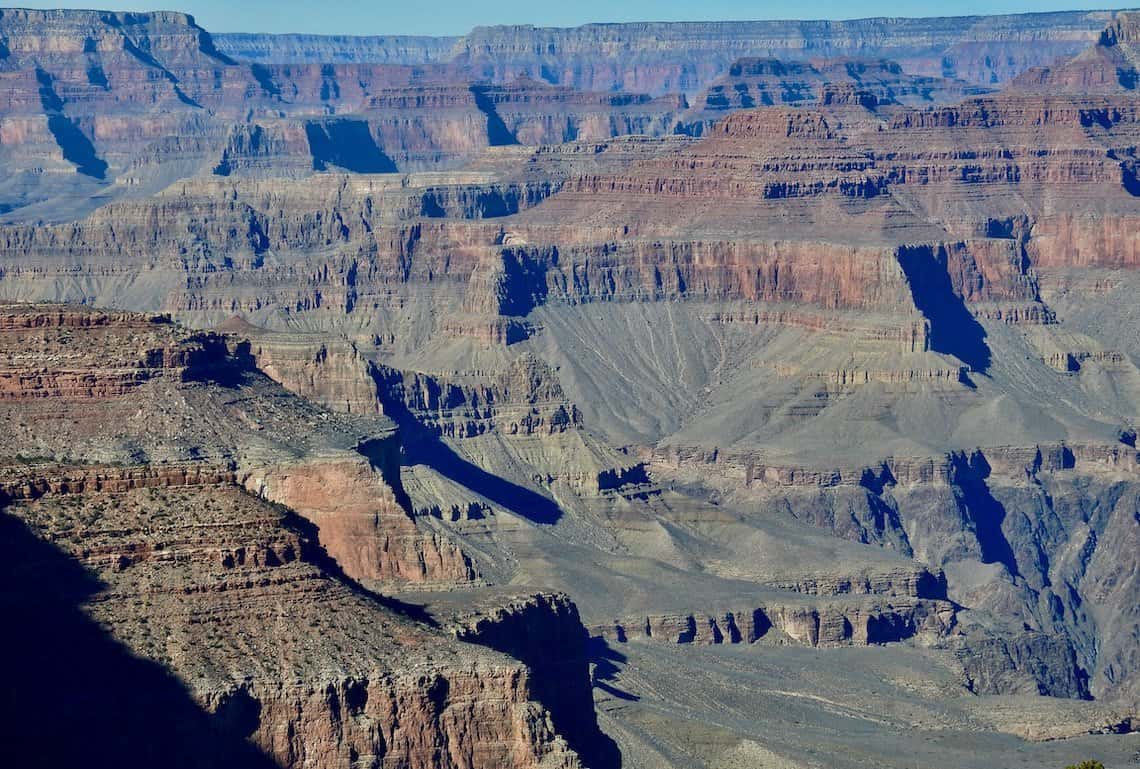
<point x="450" y="17"/>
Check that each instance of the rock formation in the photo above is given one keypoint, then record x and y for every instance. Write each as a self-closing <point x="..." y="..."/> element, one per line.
<point x="221" y="590"/>
<point x="872" y="84"/>
<point x="640" y="395"/>
<point x="252" y="560"/>
<point x="684" y="57"/>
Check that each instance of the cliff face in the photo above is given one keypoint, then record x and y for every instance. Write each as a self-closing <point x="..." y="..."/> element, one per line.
<point x="121" y="361"/>
<point x="361" y="523"/>
<point x="880" y="85"/>
<point x="684" y="57"/>
<point x="232" y="600"/>
<point x="1043" y="517"/>
<point x="837" y="397"/>
<point x="236" y="579"/>
<point x="131" y="102"/>
<point x="325" y="49"/>
<point x="546" y="633"/>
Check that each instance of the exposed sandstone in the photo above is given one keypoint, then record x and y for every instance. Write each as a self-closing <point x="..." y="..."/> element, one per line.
<point x="546" y="633"/>
<point x="861" y="367"/>
<point x="352" y="492"/>
<point x="360" y="522"/>
<point x="203" y="580"/>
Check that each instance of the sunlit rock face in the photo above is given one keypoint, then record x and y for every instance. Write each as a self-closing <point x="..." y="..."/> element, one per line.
<point x="630" y="395"/>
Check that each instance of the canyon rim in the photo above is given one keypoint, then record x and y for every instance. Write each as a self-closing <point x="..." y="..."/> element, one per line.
<point x="674" y="394"/>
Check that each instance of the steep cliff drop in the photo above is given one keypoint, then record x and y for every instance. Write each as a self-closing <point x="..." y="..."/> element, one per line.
<point x="210" y="619"/>
<point x="694" y="395"/>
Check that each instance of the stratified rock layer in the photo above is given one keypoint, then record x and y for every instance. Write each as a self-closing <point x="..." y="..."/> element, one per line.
<point x="222" y="591"/>
<point x="682" y="57"/>
<point x="808" y="402"/>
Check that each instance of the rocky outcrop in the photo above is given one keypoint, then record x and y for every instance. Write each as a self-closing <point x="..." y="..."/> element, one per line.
<point x="1014" y="462"/>
<point x="525" y="400"/>
<point x="1031" y="663"/>
<point x="1015" y="530"/>
<point x="232" y="599"/>
<point x="517" y="415"/>
<point x="361" y="523"/>
<point x="865" y="83"/>
<point x="27" y="482"/>
<point x="839" y="372"/>
<point x="334" y="375"/>
<point x="820" y="625"/>
<point x="37" y="335"/>
<point x="434" y="125"/>
<point x="324" y="49"/>
<point x="132" y="102"/>
<point x="352" y="493"/>
<point x="546" y="633"/>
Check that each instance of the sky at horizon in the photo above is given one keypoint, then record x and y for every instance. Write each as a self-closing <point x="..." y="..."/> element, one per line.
<point x="454" y="17"/>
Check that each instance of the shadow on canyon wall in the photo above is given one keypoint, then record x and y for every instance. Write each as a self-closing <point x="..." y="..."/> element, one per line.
<point x="953" y="329"/>
<point x="985" y="512"/>
<point x="437" y="455"/>
<point x="422" y="446"/>
<point x="607" y="663"/>
<point x="346" y="144"/>
<point x="558" y="654"/>
<point x="498" y="135"/>
<point x="73" y="143"/>
<point x="72" y="695"/>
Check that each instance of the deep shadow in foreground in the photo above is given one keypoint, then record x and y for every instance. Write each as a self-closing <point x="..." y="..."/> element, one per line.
<point x="73" y="696"/>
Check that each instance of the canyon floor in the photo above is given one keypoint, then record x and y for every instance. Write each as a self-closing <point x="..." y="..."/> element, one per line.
<point x="645" y="395"/>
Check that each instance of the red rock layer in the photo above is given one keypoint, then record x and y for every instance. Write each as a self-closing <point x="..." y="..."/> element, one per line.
<point x="360" y="522"/>
<point x="29" y="482"/>
<point x="211" y="607"/>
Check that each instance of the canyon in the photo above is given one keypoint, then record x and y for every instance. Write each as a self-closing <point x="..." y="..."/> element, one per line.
<point x="637" y="395"/>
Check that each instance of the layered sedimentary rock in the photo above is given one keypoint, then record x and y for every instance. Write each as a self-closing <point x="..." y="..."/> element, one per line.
<point x="1028" y="513"/>
<point x="546" y="633"/>
<point x="221" y="590"/>
<point x="426" y="126"/>
<point x="872" y="84"/>
<point x="234" y="583"/>
<point x="683" y="57"/>
<point x="76" y="369"/>
<point x="818" y="625"/>
<point x="841" y="386"/>
<point x="132" y="102"/>
<point x="334" y="375"/>
<point x="361" y="522"/>
<point x="324" y="49"/>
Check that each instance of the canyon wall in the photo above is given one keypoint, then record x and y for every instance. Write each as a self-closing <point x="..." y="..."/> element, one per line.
<point x="828" y="369"/>
<point x="683" y="57"/>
